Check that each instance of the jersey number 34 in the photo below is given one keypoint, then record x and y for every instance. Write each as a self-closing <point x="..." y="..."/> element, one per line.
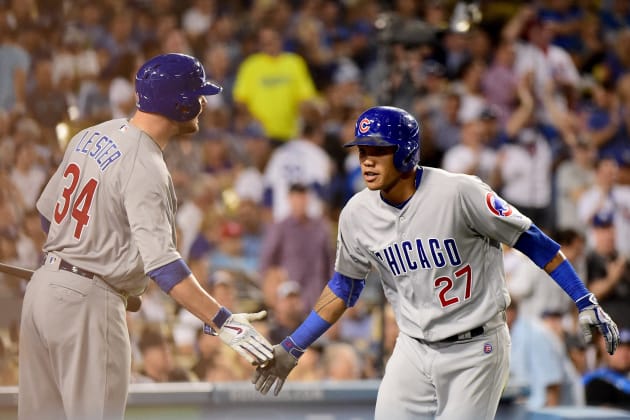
<point x="80" y="204"/>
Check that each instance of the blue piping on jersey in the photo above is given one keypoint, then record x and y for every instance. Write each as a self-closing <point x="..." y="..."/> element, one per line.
<point x="419" y="171"/>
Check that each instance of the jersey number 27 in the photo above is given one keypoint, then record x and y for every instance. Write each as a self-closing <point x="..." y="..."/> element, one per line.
<point x="80" y="204"/>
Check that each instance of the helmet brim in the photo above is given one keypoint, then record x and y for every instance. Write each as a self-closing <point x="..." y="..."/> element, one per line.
<point x="368" y="141"/>
<point x="209" y="88"/>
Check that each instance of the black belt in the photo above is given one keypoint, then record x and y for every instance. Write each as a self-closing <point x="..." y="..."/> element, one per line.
<point x="66" y="266"/>
<point x="475" y="332"/>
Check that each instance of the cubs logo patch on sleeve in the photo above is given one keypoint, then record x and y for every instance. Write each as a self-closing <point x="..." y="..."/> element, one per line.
<point x="497" y="205"/>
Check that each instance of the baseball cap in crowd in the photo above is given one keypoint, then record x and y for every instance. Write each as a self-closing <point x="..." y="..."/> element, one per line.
<point x="231" y="230"/>
<point x="287" y="288"/>
<point x="298" y="187"/>
<point x="489" y="113"/>
<point x="603" y="220"/>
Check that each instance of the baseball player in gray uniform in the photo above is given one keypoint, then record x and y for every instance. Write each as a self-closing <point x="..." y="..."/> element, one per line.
<point x="434" y="238"/>
<point x="109" y="210"/>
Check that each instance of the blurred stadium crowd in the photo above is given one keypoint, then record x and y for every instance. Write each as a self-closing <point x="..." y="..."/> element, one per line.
<point x="532" y="97"/>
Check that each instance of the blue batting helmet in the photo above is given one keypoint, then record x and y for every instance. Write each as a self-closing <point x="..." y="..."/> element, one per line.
<point x="390" y="126"/>
<point x="171" y="84"/>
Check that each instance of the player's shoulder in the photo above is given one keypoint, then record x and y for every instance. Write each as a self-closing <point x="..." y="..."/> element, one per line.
<point x="449" y="181"/>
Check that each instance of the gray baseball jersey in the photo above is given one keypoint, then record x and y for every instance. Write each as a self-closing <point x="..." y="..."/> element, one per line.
<point x="112" y="205"/>
<point x="439" y="257"/>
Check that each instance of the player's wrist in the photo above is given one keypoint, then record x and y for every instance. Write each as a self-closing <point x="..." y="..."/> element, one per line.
<point x="585" y="301"/>
<point x="219" y="319"/>
<point x="290" y="346"/>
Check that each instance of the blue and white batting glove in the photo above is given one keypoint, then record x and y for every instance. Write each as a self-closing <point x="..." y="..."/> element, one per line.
<point x="236" y="331"/>
<point x="592" y="315"/>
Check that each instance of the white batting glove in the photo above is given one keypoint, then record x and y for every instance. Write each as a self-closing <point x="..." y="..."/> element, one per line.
<point x="236" y="331"/>
<point x="592" y="315"/>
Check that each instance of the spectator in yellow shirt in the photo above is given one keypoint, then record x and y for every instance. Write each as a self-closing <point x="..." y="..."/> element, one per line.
<point x="272" y="85"/>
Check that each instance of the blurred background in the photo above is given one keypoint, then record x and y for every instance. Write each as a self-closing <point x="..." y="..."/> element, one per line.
<point x="533" y="97"/>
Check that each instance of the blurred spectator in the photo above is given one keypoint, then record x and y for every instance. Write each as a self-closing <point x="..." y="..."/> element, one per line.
<point x="122" y="98"/>
<point x="27" y="175"/>
<point x="565" y="18"/>
<point x="341" y="362"/>
<point x="608" y="275"/>
<point x="8" y="366"/>
<point x="537" y="296"/>
<point x="499" y="82"/>
<point x="48" y="103"/>
<point x="198" y="18"/>
<point x="547" y="62"/>
<point x="469" y="87"/>
<point x="272" y="85"/>
<point x="30" y="241"/>
<point x="615" y="16"/>
<point x="444" y="125"/>
<point x="609" y="385"/>
<point x="203" y="193"/>
<point x="288" y="311"/>
<point x="526" y="160"/>
<point x="14" y="68"/>
<point x="607" y="199"/>
<point x="229" y="253"/>
<point x="472" y="156"/>
<point x="539" y="362"/>
<point x="307" y="262"/>
<point x="157" y="359"/>
<point x="574" y="176"/>
<point x="301" y="161"/>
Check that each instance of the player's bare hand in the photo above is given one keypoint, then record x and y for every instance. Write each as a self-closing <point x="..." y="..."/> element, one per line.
<point x="238" y="333"/>
<point x="594" y="316"/>
<point x="276" y="371"/>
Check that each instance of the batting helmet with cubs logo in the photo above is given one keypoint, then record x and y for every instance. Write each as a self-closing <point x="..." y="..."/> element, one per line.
<point x="390" y="126"/>
<point x="171" y="84"/>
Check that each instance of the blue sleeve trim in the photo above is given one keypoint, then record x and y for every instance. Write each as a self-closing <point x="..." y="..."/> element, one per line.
<point x="45" y="223"/>
<point x="539" y="247"/>
<point x="170" y="274"/>
<point x="346" y="288"/>
<point x="568" y="280"/>
<point x="313" y="327"/>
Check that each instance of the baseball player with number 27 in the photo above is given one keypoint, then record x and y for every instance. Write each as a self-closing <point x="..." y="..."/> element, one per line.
<point x="109" y="210"/>
<point x="435" y="239"/>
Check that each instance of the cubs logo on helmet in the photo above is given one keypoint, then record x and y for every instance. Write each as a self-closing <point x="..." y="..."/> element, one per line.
<point x="497" y="205"/>
<point x="364" y="125"/>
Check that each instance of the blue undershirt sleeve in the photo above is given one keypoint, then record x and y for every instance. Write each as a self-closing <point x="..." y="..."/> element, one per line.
<point x="170" y="274"/>
<point x="539" y="247"/>
<point x="45" y="223"/>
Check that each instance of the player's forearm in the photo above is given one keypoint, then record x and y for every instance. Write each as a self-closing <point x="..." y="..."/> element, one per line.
<point x="329" y="307"/>
<point x="340" y="293"/>
<point x="195" y="299"/>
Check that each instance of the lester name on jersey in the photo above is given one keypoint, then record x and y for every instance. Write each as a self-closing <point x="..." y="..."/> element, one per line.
<point x="429" y="277"/>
